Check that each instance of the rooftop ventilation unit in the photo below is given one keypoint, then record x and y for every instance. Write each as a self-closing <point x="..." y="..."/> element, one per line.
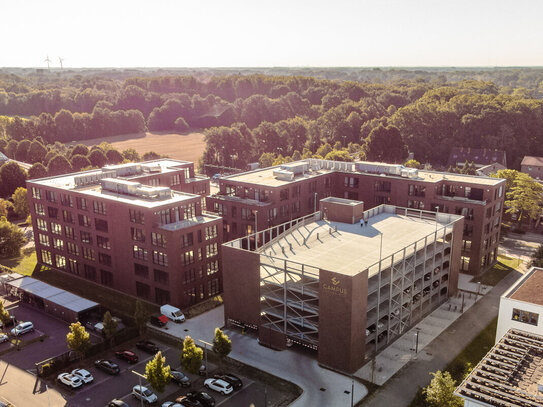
<point x="296" y="168"/>
<point x="151" y="167"/>
<point x="124" y="187"/>
<point x="124" y="170"/>
<point x="284" y="175"/>
<point x="93" y="177"/>
<point x="410" y="172"/>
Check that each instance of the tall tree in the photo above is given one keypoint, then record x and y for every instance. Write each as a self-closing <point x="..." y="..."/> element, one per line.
<point x="11" y="177"/>
<point x="36" y="152"/>
<point x="222" y="345"/>
<point x="78" y="339"/>
<point x="439" y="392"/>
<point x="11" y="239"/>
<point x="191" y="356"/>
<point x="157" y="372"/>
<point x="4" y="314"/>
<point x="37" y="171"/>
<point x="110" y="326"/>
<point x="385" y="144"/>
<point x="58" y="165"/>
<point x="97" y="158"/>
<point x="5" y="205"/>
<point x="20" y="202"/>
<point x="141" y="316"/>
<point x="525" y="198"/>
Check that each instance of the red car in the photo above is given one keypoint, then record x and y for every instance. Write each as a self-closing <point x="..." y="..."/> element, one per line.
<point x="127" y="355"/>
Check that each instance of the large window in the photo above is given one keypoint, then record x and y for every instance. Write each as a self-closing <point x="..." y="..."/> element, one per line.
<point x="89" y="272"/>
<point x="158" y="239"/>
<point x="88" y="253"/>
<point x="137" y="216"/>
<point x="141" y="270"/>
<point x="104" y="259"/>
<point x="162" y="296"/>
<point x="211" y="250"/>
<point x="44" y="240"/>
<point x="211" y="232"/>
<point x="161" y="276"/>
<point x="36" y="193"/>
<point x="52" y="212"/>
<point x="46" y="257"/>
<point x="50" y="196"/>
<point x="42" y="224"/>
<point x="142" y="290"/>
<point x="140" y="252"/>
<point x="81" y="203"/>
<point x="86" y="237"/>
<point x="66" y="200"/>
<point x="39" y="209"/>
<point x="60" y="261"/>
<point x="72" y="248"/>
<point x="103" y="242"/>
<point x="160" y="258"/>
<point x="525" y="316"/>
<point x="56" y="228"/>
<point x="106" y="277"/>
<point x="101" y="225"/>
<point x="67" y="216"/>
<point x="138" y="234"/>
<point x="84" y="220"/>
<point x="187" y="257"/>
<point x="187" y="240"/>
<point x="99" y="207"/>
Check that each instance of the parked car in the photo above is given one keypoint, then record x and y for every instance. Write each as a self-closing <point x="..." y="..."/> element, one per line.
<point x="232" y="379"/>
<point x="172" y="404"/>
<point x="219" y="386"/>
<point x="3" y="338"/>
<point x="202" y="371"/>
<point x="147" y="346"/>
<point x="107" y="366"/>
<point x="180" y="378"/>
<point x="83" y="374"/>
<point x="22" y="328"/>
<point x="117" y="403"/>
<point x="127" y="355"/>
<point x="185" y="401"/>
<point x="143" y="393"/>
<point x="158" y="320"/>
<point x="202" y="397"/>
<point x="70" y="380"/>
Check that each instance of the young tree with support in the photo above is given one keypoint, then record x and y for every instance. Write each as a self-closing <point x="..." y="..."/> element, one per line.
<point x="78" y="339"/>
<point x="157" y="372"/>
<point x="191" y="356"/>
<point x="222" y="345"/>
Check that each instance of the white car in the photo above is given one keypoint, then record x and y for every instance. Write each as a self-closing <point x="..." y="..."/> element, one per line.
<point x="22" y="328"/>
<point x="219" y="385"/>
<point x="143" y="393"/>
<point x="70" y="380"/>
<point x="171" y="404"/>
<point x="83" y="374"/>
<point x="3" y="338"/>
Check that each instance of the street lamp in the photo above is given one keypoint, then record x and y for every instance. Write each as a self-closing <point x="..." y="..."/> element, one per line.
<point x="139" y="377"/>
<point x="205" y="351"/>
<point x="256" y="230"/>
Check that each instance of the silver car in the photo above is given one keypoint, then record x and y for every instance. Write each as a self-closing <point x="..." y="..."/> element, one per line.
<point x="22" y="328"/>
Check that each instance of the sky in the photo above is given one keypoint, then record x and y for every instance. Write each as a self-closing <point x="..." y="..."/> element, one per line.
<point x="264" y="33"/>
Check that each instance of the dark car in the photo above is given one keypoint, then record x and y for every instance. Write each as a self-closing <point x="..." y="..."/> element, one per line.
<point x="127" y="355"/>
<point x="107" y="366"/>
<point x="147" y="346"/>
<point x="205" y="399"/>
<point x="117" y="403"/>
<point x="185" y="401"/>
<point x="180" y="378"/>
<point x="158" y="320"/>
<point x="234" y="381"/>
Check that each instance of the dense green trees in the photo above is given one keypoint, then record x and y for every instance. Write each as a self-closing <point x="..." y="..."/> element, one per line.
<point x="20" y="202"/>
<point x="11" y="177"/>
<point x="11" y="239"/>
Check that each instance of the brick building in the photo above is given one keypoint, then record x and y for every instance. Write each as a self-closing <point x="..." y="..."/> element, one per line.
<point x="259" y="199"/>
<point x="137" y="228"/>
<point x="328" y="281"/>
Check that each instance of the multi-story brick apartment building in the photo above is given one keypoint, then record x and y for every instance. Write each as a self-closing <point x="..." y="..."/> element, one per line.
<point x="137" y="228"/>
<point x="328" y="281"/>
<point x="262" y="198"/>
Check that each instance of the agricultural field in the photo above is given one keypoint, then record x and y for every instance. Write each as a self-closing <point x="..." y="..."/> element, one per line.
<point x="188" y="147"/>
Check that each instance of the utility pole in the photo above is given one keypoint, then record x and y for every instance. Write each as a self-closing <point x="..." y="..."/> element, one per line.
<point x="139" y="378"/>
<point x="256" y="230"/>
<point x="352" y="393"/>
<point x="205" y="351"/>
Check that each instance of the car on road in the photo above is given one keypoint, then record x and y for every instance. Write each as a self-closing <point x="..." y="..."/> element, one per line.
<point x="107" y="366"/>
<point x="219" y="386"/>
<point x="117" y="403"/>
<point x="3" y="338"/>
<point x="127" y="355"/>
<point x="232" y="379"/>
<point x="147" y="346"/>
<point x="83" y="374"/>
<point x="143" y="393"/>
<point x="179" y="378"/>
<point x="202" y="397"/>
<point x="70" y="380"/>
<point x="22" y="328"/>
<point x="185" y="401"/>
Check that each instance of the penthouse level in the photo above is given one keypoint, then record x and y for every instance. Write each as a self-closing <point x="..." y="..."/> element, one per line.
<point x="127" y="228"/>
<point x="259" y="199"/>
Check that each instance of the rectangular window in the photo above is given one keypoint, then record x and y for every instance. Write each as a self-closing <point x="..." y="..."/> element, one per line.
<point x="213" y="287"/>
<point x="103" y="242"/>
<point x="272" y="214"/>
<point x="106" y="277"/>
<point x="81" y="203"/>
<point x="56" y="228"/>
<point x="191" y="295"/>
<point x="46" y="257"/>
<point x="142" y="290"/>
<point x="187" y="240"/>
<point x="72" y="248"/>
<point x="283" y="194"/>
<point x="69" y="232"/>
<point x="138" y="234"/>
<point x="99" y="207"/>
<point x="88" y="253"/>
<point x="161" y="276"/>
<point x="247" y="214"/>
<point x="296" y="190"/>
<point x="60" y="261"/>
<point x="211" y="250"/>
<point x="42" y="225"/>
<point x="36" y="193"/>
<point x="67" y="216"/>
<point x="234" y="212"/>
<point x="39" y="209"/>
<point x="154" y="182"/>
<point x="295" y="207"/>
<point x="44" y="240"/>
<point x="89" y="272"/>
<point x="187" y="257"/>
<point x="524" y="316"/>
<point x="73" y="266"/>
<point x="167" y="216"/>
<point x="162" y="296"/>
<point x="139" y="252"/>
<point x="84" y="220"/>
<point x="190" y="276"/>
<point x="220" y="208"/>
<point x="58" y="244"/>
<point x="175" y="180"/>
<point x="136" y="216"/>
<point x="101" y="225"/>
<point x="52" y="212"/>
<point x="211" y="232"/>
<point x="212" y="267"/>
<point x="66" y="200"/>
<point x="86" y="237"/>
<point x="158" y="239"/>
<point x="189" y="211"/>
<point x="141" y="270"/>
<point x="104" y="259"/>
<point x="160" y="258"/>
<point x="51" y="196"/>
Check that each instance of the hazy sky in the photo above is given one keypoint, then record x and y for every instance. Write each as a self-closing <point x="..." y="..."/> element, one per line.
<point x="186" y="33"/>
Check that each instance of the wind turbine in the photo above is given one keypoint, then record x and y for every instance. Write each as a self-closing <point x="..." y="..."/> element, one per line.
<point x="48" y="61"/>
<point x="61" y="60"/>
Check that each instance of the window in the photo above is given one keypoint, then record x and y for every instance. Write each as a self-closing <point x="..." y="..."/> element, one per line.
<point x="175" y="180"/>
<point x="466" y="245"/>
<point x="213" y="287"/>
<point x="139" y="252"/>
<point x="189" y="211"/>
<point x="162" y="296"/>
<point x="99" y="207"/>
<point x="66" y="200"/>
<point x="283" y="194"/>
<point x="212" y="267"/>
<point x="104" y="259"/>
<point x="69" y="232"/>
<point x="247" y="214"/>
<point x="42" y="225"/>
<point x="272" y="214"/>
<point x="295" y="207"/>
<point x="36" y="193"/>
<point x="525" y="317"/>
<point x="416" y="190"/>
<point x="190" y="276"/>
<point x="39" y="209"/>
<point x="58" y="244"/>
<point x="138" y="234"/>
<point x="88" y="253"/>
<point x="187" y="257"/>
<point x="161" y="276"/>
<point x="187" y="240"/>
<point x="312" y="186"/>
<point x="103" y="242"/>
<point x="220" y="208"/>
<point x="84" y="220"/>
<point x="160" y="258"/>
<point x="67" y="216"/>
<point x="50" y="196"/>
<point x="106" y="277"/>
<point x="154" y="182"/>
<point x="383" y="186"/>
<point x="142" y="290"/>
<point x="296" y="190"/>
<point x="56" y="228"/>
<point x="89" y="272"/>
<point x="211" y="250"/>
<point x="211" y="232"/>
<point x="351" y="182"/>
<point x="380" y="200"/>
<point x="101" y="225"/>
<point x="415" y="204"/>
<point x="141" y="270"/>
<point x="136" y="216"/>
<point x="72" y="248"/>
<point x="283" y="210"/>
<point x="86" y="237"/>
<point x="158" y="239"/>
<point x="168" y="215"/>
<point x="191" y="295"/>
<point x="52" y="212"/>
<point x="44" y="240"/>
<point x="73" y="266"/>
<point x="81" y="203"/>
<point x="46" y="257"/>
<point x="234" y="212"/>
<point x="187" y="172"/>
<point x="60" y="261"/>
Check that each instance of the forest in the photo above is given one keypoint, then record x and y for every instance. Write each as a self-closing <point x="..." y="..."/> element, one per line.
<point x="280" y="115"/>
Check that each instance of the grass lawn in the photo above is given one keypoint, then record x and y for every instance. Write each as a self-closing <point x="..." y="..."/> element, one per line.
<point x="503" y="267"/>
<point x="24" y="264"/>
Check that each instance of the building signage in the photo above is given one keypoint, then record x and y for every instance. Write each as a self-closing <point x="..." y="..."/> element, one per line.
<point x="335" y="287"/>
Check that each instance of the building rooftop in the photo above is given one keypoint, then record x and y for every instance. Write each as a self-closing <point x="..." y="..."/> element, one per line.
<point x="286" y="174"/>
<point x="351" y="248"/>
<point x="529" y="288"/>
<point x="511" y="374"/>
<point x="479" y="156"/>
<point x="185" y="223"/>
<point x="532" y="161"/>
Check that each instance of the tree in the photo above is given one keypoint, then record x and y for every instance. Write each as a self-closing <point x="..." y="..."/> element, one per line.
<point x="180" y="125"/>
<point x="11" y="177"/>
<point x="150" y="155"/>
<point x="222" y="345"/>
<point x="11" y="239"/>
<point x="114" y="157"/>
<point x="339" y="155"/>
<point x="4" y="314"/>
<point x="131" y="155"/>
<point x="37" y="171"/>
<point x="537" y="257"/>
<point x="20" y="202"/>
<point x="413" y="164"/>
<point x="524" y="198"/>
<point x="80" y="149"/>
<point x="191" y="356"/>
<point x="110" y="326"/>
<point x="439" y="392"/>
<point x="141" y="316"/>
<point x="266" y="160"/>
<point x="58" y="165"/>
<point x="4" y="208"/>
<point x="157" y="372"/>
<point x="385" y="144"/>
<point x="97" y="158"/>
<point x="36" y="152"/>
<point x="22" y="151"/>
<point x="79" y="162"/>
<point x="78" y="339"/>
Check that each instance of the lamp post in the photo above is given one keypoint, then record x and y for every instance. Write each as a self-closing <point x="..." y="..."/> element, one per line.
<point x="315" y="203"/>
<point x="352" y="393"/>
<point x="139" y="378"/>
<point x="478" y="291"/>
<point x="256" y="230"/>
<point x="205" y="351"/>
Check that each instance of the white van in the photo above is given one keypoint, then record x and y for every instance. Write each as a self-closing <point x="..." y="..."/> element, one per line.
<point x="172" y="313"/>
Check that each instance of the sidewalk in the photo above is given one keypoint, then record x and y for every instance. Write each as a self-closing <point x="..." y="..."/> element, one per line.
<point x="400" y="389"/>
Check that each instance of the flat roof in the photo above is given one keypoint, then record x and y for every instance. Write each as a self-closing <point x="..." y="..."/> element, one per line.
<point x="353" y="248"/>
<point x="509" y="375"/>
<point x="529" y="288"/>
<point x="185" y="223"/>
